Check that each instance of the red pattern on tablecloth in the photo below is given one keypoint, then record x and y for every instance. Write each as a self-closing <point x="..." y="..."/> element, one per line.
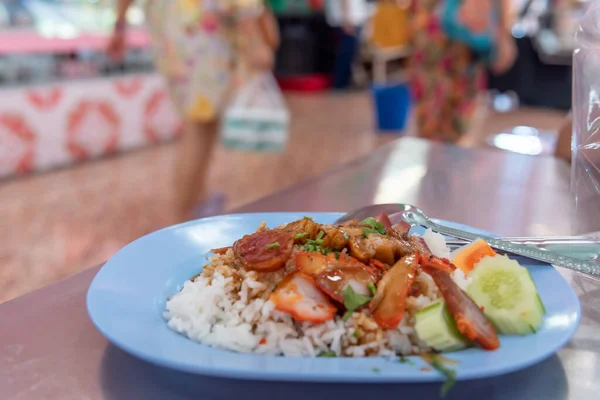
<point x="45" y="99"/>
<point x="17" y="144"/>
<point x="128" y="88"/>
<point x="93" y="129"/>
<point x="57" y="124"/>
<point x="160" y="120"/>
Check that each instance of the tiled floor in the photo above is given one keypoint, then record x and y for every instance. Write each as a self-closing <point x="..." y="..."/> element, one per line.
<point x="58" y="223"/>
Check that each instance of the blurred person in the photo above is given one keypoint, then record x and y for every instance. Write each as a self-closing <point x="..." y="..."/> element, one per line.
<point x="205" y="49"/>
<point x="348" y="18"/>
<point x="448" y="78"/>
<point x="390" y="25"/>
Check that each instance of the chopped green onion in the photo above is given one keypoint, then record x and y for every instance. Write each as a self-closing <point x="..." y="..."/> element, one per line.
<point x="273" y="245"/>
<point x="347" y="315"/>
<point x="346" y="237"/>
<point x="337" y="255"/>
<point x="405" y="360"/>
<point x="370" y="221"/>
<point x="308" y="218"/>
<point x="372" y="288"/>
<point x="314" y="246"/>
<point x="328" y="354"/>
<point x="368" y="231"/>
<point x="449" y="373"/>
<point x="320" y="235"/>
<point x="375" y="225"/>
<point x="352" y="301"/>
<point x="356" y="334"/>
<point x="300" y="235"/>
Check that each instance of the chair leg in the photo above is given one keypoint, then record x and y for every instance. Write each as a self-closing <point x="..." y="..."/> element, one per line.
<point x="379" y="71"/>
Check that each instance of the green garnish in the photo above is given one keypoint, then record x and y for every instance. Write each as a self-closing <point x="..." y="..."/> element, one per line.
<point x="368" y="231"/>
<point x="301" y="235"/>
<point x="370" y="221"/>
<point x="352" y="301"/>
<point x="438" y="364"/>
<point x="347" y="315"/>
<point x="308" y="218"/>
<point x="376" y="370"/>
<point x="328" y="354"/>
<point x="346" y="237"/>
<point x="376" y="226"/>
<point x="372" y="288"/>
<point x="314" y="246"/>
<point x="337" y="255"/>
<point x="273" y="245"/>
<point x="405" y="360"/>
<point x="356" y="334"/>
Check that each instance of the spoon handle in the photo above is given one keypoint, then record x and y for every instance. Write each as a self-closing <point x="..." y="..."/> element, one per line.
<point x="579" y="248"/>
<point x="559" y="260"/>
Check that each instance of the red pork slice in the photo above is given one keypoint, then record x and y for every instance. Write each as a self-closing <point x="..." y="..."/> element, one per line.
<point x="390" y="300"/>
<point x="299" y="296"/>
<point x="470" y="320"/>
<point x="264" y="251"/>
<point x="310" y="263"/>
<point x="384" y="219"/>
<point x="428" y="262"/>
<point x="314" y="263"/>
<point x="334" y="281"/>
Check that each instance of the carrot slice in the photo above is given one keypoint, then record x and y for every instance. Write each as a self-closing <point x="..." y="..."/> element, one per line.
<point x="468" y="256"/>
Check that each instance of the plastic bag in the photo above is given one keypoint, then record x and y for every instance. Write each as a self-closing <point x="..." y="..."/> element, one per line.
<point x="257" y="119"/>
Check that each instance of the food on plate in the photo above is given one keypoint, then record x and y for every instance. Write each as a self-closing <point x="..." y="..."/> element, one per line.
<point x="299" y="296"/>
<point x="264" y="251"/>
<point x="388" y="304"/>
<point x="467" y="256"/>
<point x="470" y="320"/>
<point x="436" y="327"/>
<point x="358" y="289"/>
<point x="507" y="295"/>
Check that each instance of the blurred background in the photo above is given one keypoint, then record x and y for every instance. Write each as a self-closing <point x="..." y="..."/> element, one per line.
<point x="87" y="143"/>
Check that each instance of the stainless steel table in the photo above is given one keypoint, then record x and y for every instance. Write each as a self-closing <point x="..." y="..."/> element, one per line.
<point x="50" y="350"/>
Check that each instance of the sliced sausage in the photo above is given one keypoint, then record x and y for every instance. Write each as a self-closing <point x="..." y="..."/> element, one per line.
<point x="264" y="251"/>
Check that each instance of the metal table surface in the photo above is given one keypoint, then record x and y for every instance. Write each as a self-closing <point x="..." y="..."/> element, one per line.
<point x="49" y="348"/>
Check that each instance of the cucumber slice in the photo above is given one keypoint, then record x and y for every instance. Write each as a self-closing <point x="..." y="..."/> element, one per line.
<point x="506" y="293"/>
<point x="436" y="327"/>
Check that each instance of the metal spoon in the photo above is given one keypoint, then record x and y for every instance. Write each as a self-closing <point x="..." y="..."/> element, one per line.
<point x="415" y="217"/>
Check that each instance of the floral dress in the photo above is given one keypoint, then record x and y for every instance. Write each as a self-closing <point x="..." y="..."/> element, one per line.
<point x="196" y="50"/>
<point x="446" y="78"/>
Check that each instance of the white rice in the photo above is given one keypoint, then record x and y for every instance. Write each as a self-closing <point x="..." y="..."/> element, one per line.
<point x="212" y="314"/>
<point x="461" y="279"/>
<point x="221" y="312"/>
<point x="436" y="243"/>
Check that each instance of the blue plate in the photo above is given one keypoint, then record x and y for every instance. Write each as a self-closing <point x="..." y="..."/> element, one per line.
<point x="127" y="297"/>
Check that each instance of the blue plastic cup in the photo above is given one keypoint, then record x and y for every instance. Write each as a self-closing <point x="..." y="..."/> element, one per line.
<point x="392" y="103"/>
